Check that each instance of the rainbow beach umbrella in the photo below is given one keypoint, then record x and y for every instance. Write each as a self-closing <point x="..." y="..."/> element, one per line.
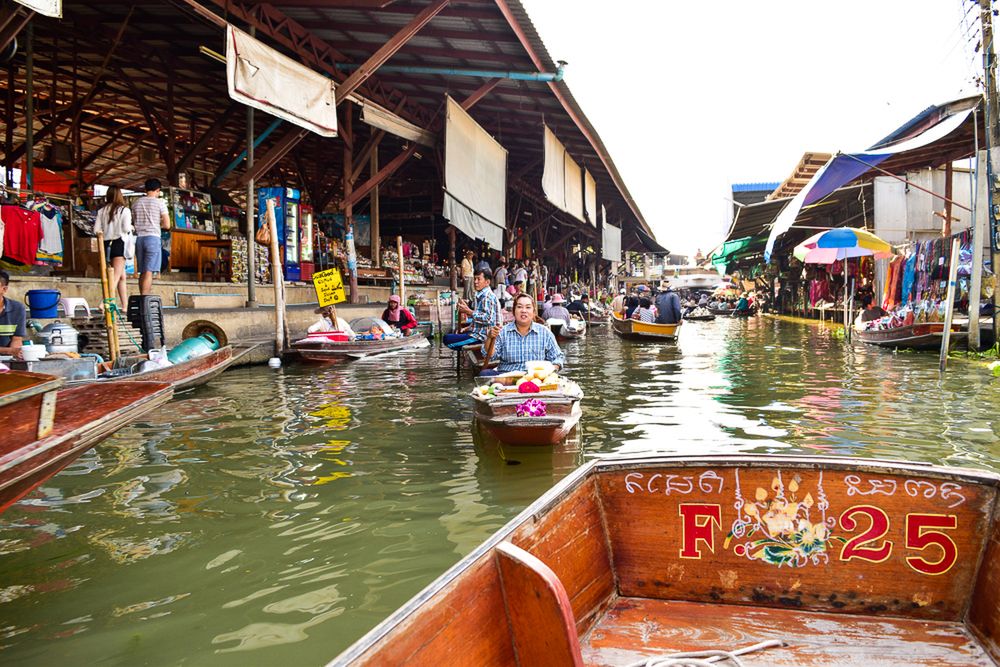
<point x="840" y="244"/>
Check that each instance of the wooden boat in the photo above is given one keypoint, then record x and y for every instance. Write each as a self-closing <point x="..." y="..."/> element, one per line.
<point x="498" y="414"/>
<point x="45" y="427"/>
<point x="918" y="336"/>
<point x="185" y="375"/>
<point x="806" y="561"/>
<point x="636" y="330"/>
<point x="723" y="312"/>
<point x="319" y="348"/>
<point x="575" y="328"/>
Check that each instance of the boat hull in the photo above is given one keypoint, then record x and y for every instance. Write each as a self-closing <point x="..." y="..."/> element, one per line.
<point x="85" y="415"/>
<point x="904" y="557"/>
<point x="920" y="336"/>
<point x="185" y="375"/>
<point x="635" y="330"/>
<point x="499" y="417"/>
<point x="329" y="351"/>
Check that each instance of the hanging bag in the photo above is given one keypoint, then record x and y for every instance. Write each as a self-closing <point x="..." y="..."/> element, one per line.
<point x="263" y="235"/>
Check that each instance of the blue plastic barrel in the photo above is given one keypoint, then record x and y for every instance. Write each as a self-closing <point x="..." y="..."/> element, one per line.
<point x="43" y="303"/>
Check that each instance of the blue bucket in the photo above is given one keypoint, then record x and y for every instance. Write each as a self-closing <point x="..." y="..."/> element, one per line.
<point x="43" y="303"/>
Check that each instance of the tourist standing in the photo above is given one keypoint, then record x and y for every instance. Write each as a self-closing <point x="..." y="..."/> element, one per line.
<point x="149" y="216"/>
<point x="114" y="221"/>
<point x="468" y="271"/>
<point x="501" y="277"/>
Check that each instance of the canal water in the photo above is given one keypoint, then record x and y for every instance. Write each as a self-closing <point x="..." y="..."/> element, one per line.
<point x="273" y="517"/>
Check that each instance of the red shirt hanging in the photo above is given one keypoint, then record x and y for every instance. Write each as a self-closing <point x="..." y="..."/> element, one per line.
<point x="22" y="233"/>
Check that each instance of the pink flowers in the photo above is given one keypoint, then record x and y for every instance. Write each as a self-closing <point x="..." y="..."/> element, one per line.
<point x="531" y="408"/>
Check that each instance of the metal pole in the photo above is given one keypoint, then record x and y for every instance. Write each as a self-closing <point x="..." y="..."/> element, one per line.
<point x="950" y="305"/>
<point x="402" y="274"/>
<point x="29" y="108"/>
<point x="376" y="242"/>
<point x="976" y="281"/>
<point x="251" y="205"/>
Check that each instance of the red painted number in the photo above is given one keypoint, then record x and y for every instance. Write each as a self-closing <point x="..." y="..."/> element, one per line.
<point x="869" y="545"/>
<point x="924" y="530"/>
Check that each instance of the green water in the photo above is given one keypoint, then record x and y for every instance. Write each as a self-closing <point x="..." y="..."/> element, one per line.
<point x="275" y="516"/>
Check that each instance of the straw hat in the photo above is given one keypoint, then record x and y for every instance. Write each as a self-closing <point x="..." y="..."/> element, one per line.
<point x="557" y="298"/>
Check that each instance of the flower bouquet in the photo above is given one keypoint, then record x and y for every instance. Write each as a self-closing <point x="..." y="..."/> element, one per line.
<point x="531" y="408"/>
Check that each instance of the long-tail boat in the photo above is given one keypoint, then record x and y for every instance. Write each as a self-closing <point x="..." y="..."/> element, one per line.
<point x="184" y="375"/>
<point x="636" y="330"/>
<point x="917" y="336"/>
<point x="319" y="348"/>
<point x="45" y="427"/>
<point x="784" y="561"/>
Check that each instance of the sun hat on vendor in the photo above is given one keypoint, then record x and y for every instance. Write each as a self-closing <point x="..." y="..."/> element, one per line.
<point x="641" y="288"/>
<point x="664" y="285"/>
<point x="557" y="298"/>
<point x="323" y="310"/>
<point x="394" y="297"/>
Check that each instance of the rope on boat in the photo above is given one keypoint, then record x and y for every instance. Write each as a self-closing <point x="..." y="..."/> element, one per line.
<point x="111" y="303"/>
<point x="705" y="658"/>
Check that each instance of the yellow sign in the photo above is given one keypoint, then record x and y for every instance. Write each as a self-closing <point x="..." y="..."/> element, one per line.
<point x="329" y="287"/>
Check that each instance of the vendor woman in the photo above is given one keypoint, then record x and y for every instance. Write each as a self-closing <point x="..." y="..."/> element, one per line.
<point x="398" y="317"/>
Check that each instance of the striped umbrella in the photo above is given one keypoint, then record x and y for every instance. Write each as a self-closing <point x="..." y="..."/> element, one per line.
<point x="840" y="244"/>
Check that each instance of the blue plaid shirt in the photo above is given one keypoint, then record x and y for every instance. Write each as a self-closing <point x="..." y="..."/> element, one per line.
<point x="514" y="350"/>
<point x="486" y="315"/>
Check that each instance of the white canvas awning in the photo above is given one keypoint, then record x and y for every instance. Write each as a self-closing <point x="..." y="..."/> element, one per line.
<point x="475" y="178"/>
<point x="51" y="8"/>
<point x="611" y="243"/>
<point x="265" y="79"/>
<point x="562" y="178"/>
<point x="383" y="119"/>
<point x="590" y="197"/>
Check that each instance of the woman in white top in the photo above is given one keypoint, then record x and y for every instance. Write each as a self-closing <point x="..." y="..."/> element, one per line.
<point x="114" y="220"/>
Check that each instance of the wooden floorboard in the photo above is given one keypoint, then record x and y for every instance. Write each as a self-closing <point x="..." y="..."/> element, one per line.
<point x="639" y="628"/>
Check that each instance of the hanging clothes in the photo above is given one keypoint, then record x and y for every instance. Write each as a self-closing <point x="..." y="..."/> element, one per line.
<point x="909" y="273"/>
<point x="22" y="233"/>
<point x="50" y="249"/>
<point x="893" y="284"/>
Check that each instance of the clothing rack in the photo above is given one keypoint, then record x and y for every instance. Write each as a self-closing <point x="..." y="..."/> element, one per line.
<point x="27" y="194"/>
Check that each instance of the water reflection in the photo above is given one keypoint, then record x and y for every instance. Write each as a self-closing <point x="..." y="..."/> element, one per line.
<point x="275" y="516"/>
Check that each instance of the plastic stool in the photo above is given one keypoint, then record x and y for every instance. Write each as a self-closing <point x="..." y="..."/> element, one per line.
<point x="71" y="303"/>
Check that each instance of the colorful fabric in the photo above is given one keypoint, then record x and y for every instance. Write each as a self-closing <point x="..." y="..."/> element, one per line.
<point x="909" y="273"/>
<point x="514" y="350"/>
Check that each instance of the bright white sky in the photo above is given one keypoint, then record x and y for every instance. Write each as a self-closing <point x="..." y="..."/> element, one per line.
<point x="691" y="97"/>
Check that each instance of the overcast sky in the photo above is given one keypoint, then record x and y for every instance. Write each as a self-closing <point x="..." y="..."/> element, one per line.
<point x="690" y="97"/>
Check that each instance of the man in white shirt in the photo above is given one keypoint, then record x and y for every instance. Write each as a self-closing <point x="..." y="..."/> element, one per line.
<point x="149" y="216"/>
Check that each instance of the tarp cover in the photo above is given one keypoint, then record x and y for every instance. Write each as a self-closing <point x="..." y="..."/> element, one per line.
<point x="611" y="243"/>
<point x="51" y="8"/>
<point x="475" y="178"/>
<point x="265" y="79"/>
<point x="844" y="168"/>
<point x="590" y="197"/>
<point x="574" y="188"/>
<point x="562" y="178"/>
<point x="554" y="172"/>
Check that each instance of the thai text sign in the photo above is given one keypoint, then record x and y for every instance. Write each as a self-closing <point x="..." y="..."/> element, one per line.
<point x="329" y="287"/>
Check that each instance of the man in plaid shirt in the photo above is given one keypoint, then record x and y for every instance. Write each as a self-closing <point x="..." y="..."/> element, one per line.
<point x="483" y="318"/>
<point x="524" y="340"/>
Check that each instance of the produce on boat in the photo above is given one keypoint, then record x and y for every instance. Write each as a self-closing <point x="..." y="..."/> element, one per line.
<point x="788" y="561"/>
<point x="539" y="407"/>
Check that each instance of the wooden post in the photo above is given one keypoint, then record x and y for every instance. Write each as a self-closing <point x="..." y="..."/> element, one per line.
<point x="376" y="242"/>
<point x="109" y="323"/>
<point x="948" y="188"/>
<point x="251" y="205"/>
<point x="451" y="258"/>
<point x="346" y="130"/>
<point x="979" y="227"/>
<point x="950" y="305"/>
<point x="29" y="108"/>
<point x="402" y="275"/>
<point x="276" y="279"/>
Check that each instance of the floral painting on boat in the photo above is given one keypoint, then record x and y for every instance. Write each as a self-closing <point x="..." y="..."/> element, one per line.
<point x="782" y="525"/>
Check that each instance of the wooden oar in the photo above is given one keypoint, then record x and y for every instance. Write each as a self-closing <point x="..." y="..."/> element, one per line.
<point x="109" y="321"/>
